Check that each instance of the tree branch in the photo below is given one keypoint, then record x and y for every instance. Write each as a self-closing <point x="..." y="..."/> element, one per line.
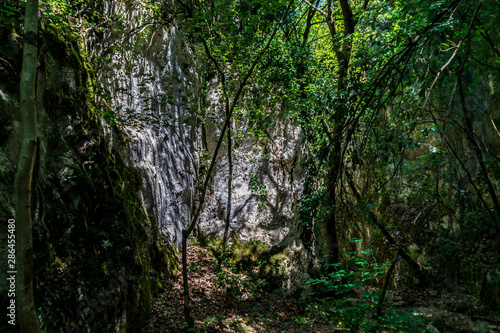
<point x="322" y="12"/>
<point x="349" y="21"/>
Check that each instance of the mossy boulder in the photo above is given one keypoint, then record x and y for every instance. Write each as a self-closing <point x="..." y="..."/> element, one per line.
<point x="280" y="267"/>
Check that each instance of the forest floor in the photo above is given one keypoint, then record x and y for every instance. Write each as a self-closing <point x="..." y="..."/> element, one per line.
<point x="217" y="308"/>
<point x="222" y="302"/>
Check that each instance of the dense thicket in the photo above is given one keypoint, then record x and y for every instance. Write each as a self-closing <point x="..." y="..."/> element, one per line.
<point x="398" y="103"/>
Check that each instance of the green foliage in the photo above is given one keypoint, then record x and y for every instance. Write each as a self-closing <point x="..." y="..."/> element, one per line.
<point x="228" y="276"/>
<point x="10" y="12"/>
<point x="247" y="267"/>
<point x="204" y="159"/>
<point x="259" y="189"/>
<point x="344" y="297"/>
<point x="194" y="267"/>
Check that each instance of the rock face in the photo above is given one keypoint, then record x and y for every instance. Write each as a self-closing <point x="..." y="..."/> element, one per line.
<point x="266" y="190"/>
<point x="98" y="257"/>
<point x="147" y="81"/>
<point x="149" y="78"/>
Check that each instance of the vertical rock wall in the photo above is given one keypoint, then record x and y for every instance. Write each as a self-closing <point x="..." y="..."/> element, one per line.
<point x="148" y="72"/>
<point x="146" y="75"/>
<point x="98" y="257"/>
<point x="267" y="187"/>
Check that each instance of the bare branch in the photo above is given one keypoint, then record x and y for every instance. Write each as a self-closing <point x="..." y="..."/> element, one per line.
<point x="322" y="12"/>
<point x="451" y="58"/>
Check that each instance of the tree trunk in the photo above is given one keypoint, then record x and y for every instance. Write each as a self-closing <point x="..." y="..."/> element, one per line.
<point x="343" y="56"/>
<point x="23" y="179"/>
<point x="187" y="309"/>
<point x="331" y="201"/>
<point x="229" y="186"/>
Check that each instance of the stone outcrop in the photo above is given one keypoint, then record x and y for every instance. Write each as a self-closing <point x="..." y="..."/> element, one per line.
<point x="150" y="77"/>
<point x="98" y="256"/>
<point x="147" y="77"/>
<point x="266" y="191"/>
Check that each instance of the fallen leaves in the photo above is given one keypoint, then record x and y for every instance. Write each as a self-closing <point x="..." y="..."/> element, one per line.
<point x="215" y="309"/>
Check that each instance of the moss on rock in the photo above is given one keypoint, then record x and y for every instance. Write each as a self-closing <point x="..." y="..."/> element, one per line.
<point x="98" y="257"/>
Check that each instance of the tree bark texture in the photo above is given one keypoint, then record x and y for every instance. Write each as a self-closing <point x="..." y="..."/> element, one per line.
<point x="28" y="320"/>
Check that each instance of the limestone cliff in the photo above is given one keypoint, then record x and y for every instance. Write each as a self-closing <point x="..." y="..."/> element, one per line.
<point x="146" y="77"/>
<point x="98" y="256"/>
<point x="149" y="75"/>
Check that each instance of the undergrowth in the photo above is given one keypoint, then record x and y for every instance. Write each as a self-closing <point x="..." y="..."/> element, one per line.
<point x="343" y="297"/>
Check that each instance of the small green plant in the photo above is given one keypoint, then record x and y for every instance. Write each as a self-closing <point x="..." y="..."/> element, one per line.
<point x="210" y="319"/>
<point x="194" y="267"/>
<point x="335" y="299"/>
<point x="204" y="159"/>
<point x="302" y="320"/>
<point x="227" y="276"/>
<point x="164" y="314"/>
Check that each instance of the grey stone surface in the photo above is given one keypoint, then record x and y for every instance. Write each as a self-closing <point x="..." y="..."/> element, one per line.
<point x="147" y="75"/>
<point x="156" y="63"/>
<point x="266" y="190"/>
<point x="277" y="172"/>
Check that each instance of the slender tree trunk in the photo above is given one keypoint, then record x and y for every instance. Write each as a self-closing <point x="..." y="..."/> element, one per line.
<point x="386" y="285"/>
<point x="331" y="200"/>
<point x="187" y="308"/>
<point x="229" y="186"/>
<point x="343" y="56"/>
<point x="23" y="179"/>
<point x="307" y="30"/>
<point x="331" y="229"/>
